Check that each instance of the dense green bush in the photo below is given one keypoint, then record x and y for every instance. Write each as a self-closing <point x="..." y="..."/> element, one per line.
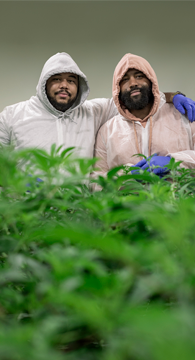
<point x="108" y="275"/>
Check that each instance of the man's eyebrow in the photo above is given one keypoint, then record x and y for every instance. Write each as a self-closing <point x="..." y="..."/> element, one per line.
<point x="139" y="72"/>
<point x="74" y="76"/>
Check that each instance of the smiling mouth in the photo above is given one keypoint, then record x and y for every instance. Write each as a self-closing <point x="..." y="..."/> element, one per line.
<point x="63" y="94"/>
<point x="135" y="92"/>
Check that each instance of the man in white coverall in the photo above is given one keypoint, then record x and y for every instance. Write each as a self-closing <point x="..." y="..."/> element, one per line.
<point x="145" y="124"/>
<point x="59" y="113"/>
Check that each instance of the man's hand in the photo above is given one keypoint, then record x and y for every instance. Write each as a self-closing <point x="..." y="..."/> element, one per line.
<point x="183" y="104"/>
<point x="149" y="164"/>
<point x="139" y="164"/>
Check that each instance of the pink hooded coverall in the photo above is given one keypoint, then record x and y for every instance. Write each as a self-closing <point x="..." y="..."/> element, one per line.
<point x="164" y="131"/>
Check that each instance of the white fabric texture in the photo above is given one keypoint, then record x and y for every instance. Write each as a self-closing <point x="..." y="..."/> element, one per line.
<point x="36" y="123"/>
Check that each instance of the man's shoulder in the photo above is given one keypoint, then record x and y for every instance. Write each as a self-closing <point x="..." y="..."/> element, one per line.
<point x="15" y="105"/>
<point x="169" y="108"/>
<point x="99" y="104"/>
<point x="97" y="101"/>
<point x="20" y="106"/>
<point x="168" y="113"/>
<point x="115" y="120"/>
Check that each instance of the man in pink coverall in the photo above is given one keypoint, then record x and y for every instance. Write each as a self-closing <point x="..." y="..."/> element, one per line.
<point x="146" y="124"/>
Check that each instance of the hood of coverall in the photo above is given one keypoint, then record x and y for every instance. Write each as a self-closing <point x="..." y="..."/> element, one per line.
<point x="130" y="61"/>
<point x="56" y="64"/>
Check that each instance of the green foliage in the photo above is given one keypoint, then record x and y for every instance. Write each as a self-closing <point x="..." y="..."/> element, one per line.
<point x="94" y="275"/>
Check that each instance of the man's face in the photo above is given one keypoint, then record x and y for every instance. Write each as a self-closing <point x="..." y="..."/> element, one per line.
<point x="135" y="90"/>
<point x="61" y="90"/>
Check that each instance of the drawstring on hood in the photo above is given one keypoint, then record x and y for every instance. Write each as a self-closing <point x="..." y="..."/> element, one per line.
<point x="130" y="61"/>
<point x="150" y="138"/>
<point x="56" y="64"/>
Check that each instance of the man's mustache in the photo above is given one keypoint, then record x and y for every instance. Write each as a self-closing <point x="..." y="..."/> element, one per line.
<point x="135" y="88"/>
<point x="62" y="92"/>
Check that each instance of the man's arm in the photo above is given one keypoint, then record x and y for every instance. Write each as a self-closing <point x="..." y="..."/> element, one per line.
<point x="5" y="132"/>
<point x="101" y="152"/>
<point x="170" y="95"/>
<point x="187" y="156"/>
<point x="183" y="104"/>
<point x="105" y="109"/>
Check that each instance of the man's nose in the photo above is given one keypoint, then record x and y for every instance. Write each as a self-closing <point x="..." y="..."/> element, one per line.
<point x="132" y="82"/>
<point x="64" y="83"/>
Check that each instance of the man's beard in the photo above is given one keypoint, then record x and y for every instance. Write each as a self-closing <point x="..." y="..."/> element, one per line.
<point x="131" y="103"/>
<point x="60" y="106"/>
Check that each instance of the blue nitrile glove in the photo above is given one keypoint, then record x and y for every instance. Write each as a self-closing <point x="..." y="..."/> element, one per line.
<point x="139" y="164"/>
<point x="160" y="161"/>
<point x="38" y="180"/>
<point x="183" y="104"/>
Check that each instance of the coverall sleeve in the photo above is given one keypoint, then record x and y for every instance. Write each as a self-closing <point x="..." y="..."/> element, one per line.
<point x="101" y="164"/>
<point x="101" y="152"/>
<point x="103" y="110"/>
<point x="5" y="131"/>
<point x="187" y="156"/>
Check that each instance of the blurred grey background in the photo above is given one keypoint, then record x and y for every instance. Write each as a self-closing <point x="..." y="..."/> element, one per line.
<point x="96" y="34"/>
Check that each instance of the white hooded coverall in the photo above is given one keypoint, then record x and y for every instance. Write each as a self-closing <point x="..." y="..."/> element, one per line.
<point x="35" y="123"/>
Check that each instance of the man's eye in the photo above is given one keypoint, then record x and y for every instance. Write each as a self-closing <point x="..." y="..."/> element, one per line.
<point x="140" y="76"/>
<point x="56" y="79"/>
